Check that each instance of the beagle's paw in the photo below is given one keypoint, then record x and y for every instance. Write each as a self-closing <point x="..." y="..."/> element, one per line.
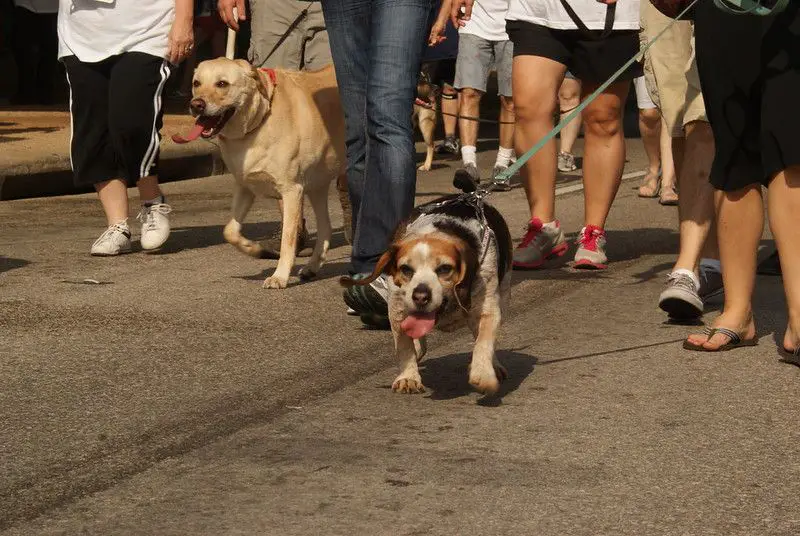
<point x="408" y="384"/>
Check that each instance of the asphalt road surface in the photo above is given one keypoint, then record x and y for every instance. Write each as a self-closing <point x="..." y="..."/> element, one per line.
<point x="170" y="394"/>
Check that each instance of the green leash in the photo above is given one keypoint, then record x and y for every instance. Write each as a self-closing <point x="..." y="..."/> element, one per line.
<point x="516" y="166"/>
<point x="751" y="7"/>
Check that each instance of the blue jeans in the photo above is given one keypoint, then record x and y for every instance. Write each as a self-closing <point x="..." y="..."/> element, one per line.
<point x="377" y="49"/>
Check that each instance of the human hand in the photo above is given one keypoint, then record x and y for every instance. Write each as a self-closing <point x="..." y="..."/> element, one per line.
<point x="180" y="40"/>
<point x="225" y="9"/>
<point x="458" y="18"/>
<point x="437" y="32"/>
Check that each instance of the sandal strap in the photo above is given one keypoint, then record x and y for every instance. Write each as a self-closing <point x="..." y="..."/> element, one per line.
<point x="732" y="335"/>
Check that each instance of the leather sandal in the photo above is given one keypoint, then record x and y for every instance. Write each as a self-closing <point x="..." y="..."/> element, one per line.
<point x="735" y="341"/>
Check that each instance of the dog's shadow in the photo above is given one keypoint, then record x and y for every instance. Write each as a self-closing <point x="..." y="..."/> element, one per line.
<point x="446" y="377"/>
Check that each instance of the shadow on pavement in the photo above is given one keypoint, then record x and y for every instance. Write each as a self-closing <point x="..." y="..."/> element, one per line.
<point x="447" y="377"/>
<point x="7" y="264"/>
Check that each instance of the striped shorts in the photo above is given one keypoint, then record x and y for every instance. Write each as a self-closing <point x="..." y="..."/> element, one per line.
<point x="115" y="107"/>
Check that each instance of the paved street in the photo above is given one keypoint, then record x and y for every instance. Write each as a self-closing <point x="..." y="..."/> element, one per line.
<point x="171" y="394"/>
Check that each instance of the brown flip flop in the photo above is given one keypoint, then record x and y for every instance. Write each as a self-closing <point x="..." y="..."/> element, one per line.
<point x="736" y="341"/>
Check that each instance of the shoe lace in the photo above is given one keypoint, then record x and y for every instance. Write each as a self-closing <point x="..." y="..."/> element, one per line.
<point x="533" y="234"/>
<point x="148" y="215"/>
<point x="589" y="236"/>
<point x="681" y="281"/>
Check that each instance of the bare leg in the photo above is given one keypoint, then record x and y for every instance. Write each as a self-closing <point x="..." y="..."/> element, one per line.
<point x="449" y="112"/>
<point x="740" y="222"/>
<point x="148" y="188"/>
<point x="668" y="173"/>
<point x="469" y="105"/>
<point x="113" y="196"/>
<point x="784" y="206"/>
<point x="651" y="130"/>
<point x="569" y="96"/>
<point x="506" y="122"/>
<point x="605" y="151"/>
<point x="696" y="203"/>
<point x="535" y="85"/>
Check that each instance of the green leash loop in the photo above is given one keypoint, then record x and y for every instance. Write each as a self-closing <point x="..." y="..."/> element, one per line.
<point x="751" y="7"/>
<point x="516" y="166"/>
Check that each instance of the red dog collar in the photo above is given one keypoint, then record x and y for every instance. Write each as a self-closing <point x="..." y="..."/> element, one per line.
<point x="271" y="74"/>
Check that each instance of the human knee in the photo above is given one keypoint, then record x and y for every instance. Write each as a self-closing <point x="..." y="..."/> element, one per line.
<point x="528" y="109"/>
<point x="650" y="116"/>
<point x="605" y="121"/>
<point x="471" y="95"/>
<point x="507" y="103"/>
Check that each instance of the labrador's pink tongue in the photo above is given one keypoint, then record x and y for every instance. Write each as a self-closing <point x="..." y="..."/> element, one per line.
<point x="193" y="134"/>
<point x="418" y="325"/>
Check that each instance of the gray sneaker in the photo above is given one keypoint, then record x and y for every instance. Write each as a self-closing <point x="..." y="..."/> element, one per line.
<point x="681" y="300"/>
<point x="500" y="185"/>
<point x="710" y="283"/>
<point x="114" y="241"/>
<point x="539" y="245"/>
<point x="467" y="179"/>
<point x="566" y="162"/>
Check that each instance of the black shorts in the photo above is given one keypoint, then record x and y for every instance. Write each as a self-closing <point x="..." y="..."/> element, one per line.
<point x="116" y="116"/>
<point x="591" y="61"/>
<point x="750" y="80"/>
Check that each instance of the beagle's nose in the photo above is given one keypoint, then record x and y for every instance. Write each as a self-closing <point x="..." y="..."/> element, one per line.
<point x="198" y="106"/>
<point x="421" y="295"/>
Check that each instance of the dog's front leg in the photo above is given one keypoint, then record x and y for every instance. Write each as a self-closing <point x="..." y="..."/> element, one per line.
<point x="405" y="348"/>
<point x="292" y="204"/>
<point x="485" y="371"/>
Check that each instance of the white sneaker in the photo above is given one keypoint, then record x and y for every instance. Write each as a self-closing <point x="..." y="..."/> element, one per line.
<point x="114" y="240"/>
<point x="155" y="225"/>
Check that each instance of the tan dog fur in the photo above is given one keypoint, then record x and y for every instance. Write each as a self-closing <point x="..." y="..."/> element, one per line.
<point x="425" y="119"/>
<point x="285" y="139"/>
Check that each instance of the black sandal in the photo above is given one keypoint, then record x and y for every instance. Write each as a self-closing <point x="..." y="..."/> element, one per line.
<point x="736" y="341"/>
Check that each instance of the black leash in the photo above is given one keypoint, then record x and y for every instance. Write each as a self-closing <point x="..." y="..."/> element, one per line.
<point x="295" y="23"/>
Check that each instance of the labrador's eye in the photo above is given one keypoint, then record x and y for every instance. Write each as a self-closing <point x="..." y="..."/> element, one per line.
<point x="195" y="83"/>
<point x="444" y="270"/>
<point x="222" y="84"/>
<point x="407" y="271"/>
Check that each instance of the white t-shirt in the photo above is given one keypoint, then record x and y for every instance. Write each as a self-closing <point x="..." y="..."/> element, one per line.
<point x="94" y="30"/>
<point x="551" y="13"/>
<point x="488" y="20"/>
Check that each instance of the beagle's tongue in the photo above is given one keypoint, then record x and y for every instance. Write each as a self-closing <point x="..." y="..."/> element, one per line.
<point x="417" y="325"/>
<point x="193" y="134"/>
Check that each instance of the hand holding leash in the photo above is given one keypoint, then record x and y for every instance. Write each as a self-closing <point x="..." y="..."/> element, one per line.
<point x="459" y="18"/>
<point x="232" y="12"/>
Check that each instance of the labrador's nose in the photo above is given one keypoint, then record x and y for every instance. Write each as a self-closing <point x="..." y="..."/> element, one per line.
<point x="198" y="106"/>
<point x="421" y="295"/>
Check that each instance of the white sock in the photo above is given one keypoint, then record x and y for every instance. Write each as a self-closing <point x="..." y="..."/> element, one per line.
<point x="504" y="156"/>
<point x="691" y="274"/>
<point x="711" y="264"/>
<point x="468" y="155"/>
<point x="553" y="225"/>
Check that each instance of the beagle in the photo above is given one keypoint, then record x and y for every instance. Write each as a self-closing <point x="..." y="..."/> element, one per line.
<point x="448" y="265"/>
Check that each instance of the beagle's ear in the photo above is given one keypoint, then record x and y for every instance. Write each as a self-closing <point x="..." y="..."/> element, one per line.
<point x="467" y="267"/>
<point x="387" y="264"/>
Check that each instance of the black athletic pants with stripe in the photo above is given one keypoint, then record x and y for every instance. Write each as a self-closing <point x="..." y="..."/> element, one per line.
<point x="116" y="112"/>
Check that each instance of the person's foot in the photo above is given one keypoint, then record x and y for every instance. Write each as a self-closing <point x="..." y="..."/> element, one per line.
<point x="771" y="265"/>
<point x="500" y="185"/>
<point x="467" y="179"/>
<point x="791" y="343"/>
<point x="155" y="225"/>
<point x="566" y="162"/>
<point x="540" y="243"/>
<point x="114" y="241"/>
<point x="681" y="299"/>
<point x="370" y="302"/>
<point x="450" y="146"/>
<point x="591" y="253"/>
<point x="668" y="197"/>
<point x="651" y="184"/>
<point x="744" y="328"/>
<point x="710" y="283"/>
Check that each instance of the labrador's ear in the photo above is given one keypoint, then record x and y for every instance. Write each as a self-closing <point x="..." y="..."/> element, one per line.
<point x="263" y="82"/>
<point x="387" y="264"/>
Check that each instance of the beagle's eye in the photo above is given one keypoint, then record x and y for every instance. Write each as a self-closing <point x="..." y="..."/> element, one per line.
<point x="407" y="271"/>
<point x="444" y="270"/>
<point x="195" y="83"/>
<point x="222" y="84"/>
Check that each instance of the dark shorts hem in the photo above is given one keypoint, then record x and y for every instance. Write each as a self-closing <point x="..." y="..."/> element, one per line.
<point x="591" y="61"/>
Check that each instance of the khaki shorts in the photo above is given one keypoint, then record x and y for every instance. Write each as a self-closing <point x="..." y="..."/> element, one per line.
<point x="670" y="70"/>
<point x="306" y="47"/>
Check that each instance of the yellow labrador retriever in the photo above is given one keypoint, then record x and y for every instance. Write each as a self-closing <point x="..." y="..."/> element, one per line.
<point x="281" y="134"/>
